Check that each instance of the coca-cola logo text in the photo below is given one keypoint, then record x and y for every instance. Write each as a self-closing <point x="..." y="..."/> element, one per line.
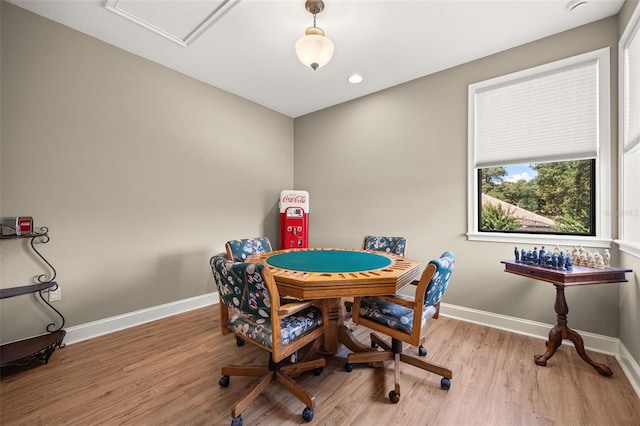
<point x="294" y="199"/>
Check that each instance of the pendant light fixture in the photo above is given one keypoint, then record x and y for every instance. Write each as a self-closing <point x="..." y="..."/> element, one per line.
<point x="314" y="49"/>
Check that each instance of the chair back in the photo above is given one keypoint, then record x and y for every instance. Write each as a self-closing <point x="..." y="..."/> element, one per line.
<point x="240" y="286"/>
<point x="250" y="308"/>
<point x="239" y="250"/>
<point x="395" y="245"/>
<point x="443" y="268"/>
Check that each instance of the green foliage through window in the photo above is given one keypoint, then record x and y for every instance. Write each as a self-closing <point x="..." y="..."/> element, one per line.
<point x="495" y="218"/>
<point x="558" y="200"/>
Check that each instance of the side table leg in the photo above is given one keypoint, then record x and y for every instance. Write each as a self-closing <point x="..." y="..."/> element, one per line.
<point x="554" y="342"/>
<point x="561" y="331"/>
<point x="577" y="341"/>
<point x="557" y="332"/>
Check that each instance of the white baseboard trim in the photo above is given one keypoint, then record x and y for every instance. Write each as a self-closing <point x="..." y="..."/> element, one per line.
<point x="630" y="367"/>
<point x="593" y="342"/>
<point x="101" y="327"/>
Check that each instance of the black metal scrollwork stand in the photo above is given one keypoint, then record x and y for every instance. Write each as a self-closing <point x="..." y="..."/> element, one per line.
<point x="43" y="237"/>
<point x="24" y="352"/>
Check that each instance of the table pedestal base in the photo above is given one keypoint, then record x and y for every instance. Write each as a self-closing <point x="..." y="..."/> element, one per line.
<point x="338" y="333"/>
<point x="562" y="331"/>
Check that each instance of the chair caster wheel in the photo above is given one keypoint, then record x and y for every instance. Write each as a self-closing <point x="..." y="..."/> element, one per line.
<point x="374" y="345"/>
<point x="445" y="383"/>
<point x="318" y="371"/>
<point x="394" y="397"/>
<point x="224" y="382"/>
<point x="239" y="341"/>
<point x="348" y="367"/>
<point x="307" y="414"/>
<point x="237" y="421"/>
<point x="422" y="351"/>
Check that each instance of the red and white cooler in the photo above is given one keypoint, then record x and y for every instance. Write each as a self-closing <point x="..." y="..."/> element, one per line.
<point x="294" y="219"/>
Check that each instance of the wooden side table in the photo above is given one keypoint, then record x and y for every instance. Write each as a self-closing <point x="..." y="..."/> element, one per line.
<point x="561" y="279"/>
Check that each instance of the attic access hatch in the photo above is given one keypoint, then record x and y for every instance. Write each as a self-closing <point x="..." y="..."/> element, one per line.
<point x="180" y="22"/>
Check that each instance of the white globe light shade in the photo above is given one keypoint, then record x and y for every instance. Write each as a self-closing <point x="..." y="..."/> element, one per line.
<point x="314" y="49"/>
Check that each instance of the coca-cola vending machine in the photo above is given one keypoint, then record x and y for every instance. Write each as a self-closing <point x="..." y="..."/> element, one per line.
<point x="294" y="219"/>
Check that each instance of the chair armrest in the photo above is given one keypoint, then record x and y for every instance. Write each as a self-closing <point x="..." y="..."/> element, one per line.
<point x="292" y="308"/>
<point x="399" y="299"/>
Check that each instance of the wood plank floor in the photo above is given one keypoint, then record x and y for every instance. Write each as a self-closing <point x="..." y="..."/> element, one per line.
<point x="166" y="373"/>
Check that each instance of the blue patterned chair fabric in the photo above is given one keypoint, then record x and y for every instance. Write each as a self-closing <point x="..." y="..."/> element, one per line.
<point x="400" y="317"/>
<point x="239" y="250"/>
<point x="394" y="245"/>
<point x="250" y="308"/>
<point x="242" y="289"/>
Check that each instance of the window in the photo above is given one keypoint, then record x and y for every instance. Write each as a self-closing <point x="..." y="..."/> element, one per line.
<point x="629" y="165"/>
<point x="552" y="123"/>
<point x="544" y="198"/>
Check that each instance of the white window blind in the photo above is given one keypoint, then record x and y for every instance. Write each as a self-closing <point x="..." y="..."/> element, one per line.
<point x="631" y="107"/>
<point x="629" y="182"/>
<point x="547" y="117"/>
<point x="630" y="214"/>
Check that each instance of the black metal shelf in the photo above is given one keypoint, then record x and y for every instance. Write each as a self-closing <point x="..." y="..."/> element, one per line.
<point x="24" y="352"/>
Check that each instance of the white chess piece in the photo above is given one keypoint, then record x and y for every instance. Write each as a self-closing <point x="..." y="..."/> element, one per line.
<point x="599" y="262"/>
<point x="606" y="258"/>
<point x="575" y="254"/>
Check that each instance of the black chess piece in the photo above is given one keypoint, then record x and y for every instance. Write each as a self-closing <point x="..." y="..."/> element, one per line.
<point x="568" y="263"/>
<point x="517" y="254"/>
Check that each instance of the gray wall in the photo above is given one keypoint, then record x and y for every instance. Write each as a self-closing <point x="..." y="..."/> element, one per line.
<point x="140" y="173"/>
<point x="395" y="163"/>
<point x="133" y="167"/>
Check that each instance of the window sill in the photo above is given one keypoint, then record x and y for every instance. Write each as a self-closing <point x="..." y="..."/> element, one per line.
<point x="629" y="247"/>
<point x="547" y="240"/>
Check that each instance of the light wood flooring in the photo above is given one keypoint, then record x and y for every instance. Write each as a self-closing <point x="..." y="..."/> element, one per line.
<point x="166" y="373"/>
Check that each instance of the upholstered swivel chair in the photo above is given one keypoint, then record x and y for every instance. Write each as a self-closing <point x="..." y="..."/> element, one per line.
<point x="403" y="318"/>
<point x="250" y="308"/>
<point x="239" y="250"/>
<point x="395" y="245"/>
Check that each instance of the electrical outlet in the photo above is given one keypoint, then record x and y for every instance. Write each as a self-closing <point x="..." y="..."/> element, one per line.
<point x="55" y="293"/>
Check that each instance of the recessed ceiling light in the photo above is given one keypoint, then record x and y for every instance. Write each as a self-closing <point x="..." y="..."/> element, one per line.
<point x="574" y="4"/>
<point x="355" y="79"/>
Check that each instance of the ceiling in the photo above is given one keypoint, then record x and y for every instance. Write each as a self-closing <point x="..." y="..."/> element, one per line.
<point x="246" y="47"/>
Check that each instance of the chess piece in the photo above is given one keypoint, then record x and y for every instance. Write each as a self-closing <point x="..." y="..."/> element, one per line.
<point x="583" y="257"/>
<point x="543" y="255"/>
<point x="534" y="256"/>
<point x="568" y="263"/>
<point x="557" y="249"/>
<point x="598" y="261"/>
<point x="523" y="256"/>
<point x="606" y="258"/>
<point x="590" y="260"/>
<point x="561" y="260"/>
